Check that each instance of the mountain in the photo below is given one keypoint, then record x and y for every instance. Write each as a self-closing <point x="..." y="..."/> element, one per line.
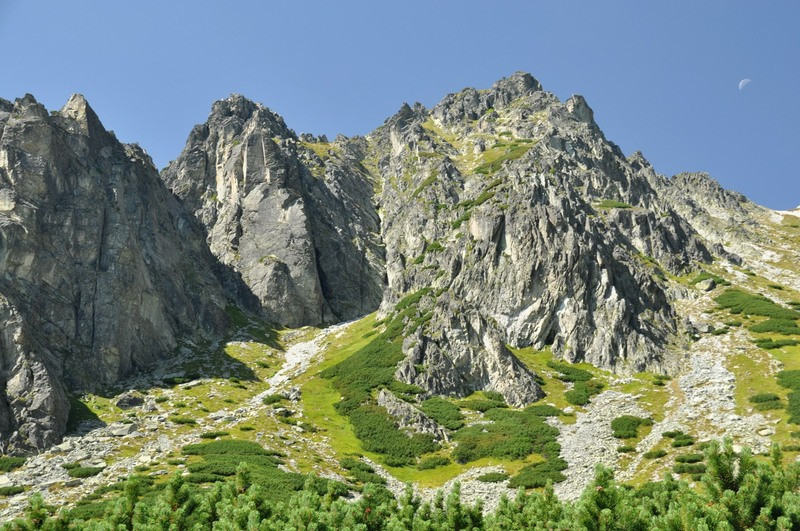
<point x="488" y="286"/>
<point x="102" y="273"/>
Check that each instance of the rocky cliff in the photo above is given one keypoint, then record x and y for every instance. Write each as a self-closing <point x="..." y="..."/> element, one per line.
<point x="519" y="212"/>
<point x="101" y="272"/>
<point x="506" y="210"/>
<point x="295" y="218"/>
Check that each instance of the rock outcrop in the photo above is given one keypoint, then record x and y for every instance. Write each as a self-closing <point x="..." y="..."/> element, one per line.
<point x="101" y="272"/>
<point x="295" y="218"/>
<point x="515" y="206"/>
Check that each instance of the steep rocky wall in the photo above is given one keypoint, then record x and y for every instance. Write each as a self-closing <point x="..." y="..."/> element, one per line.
<point x="101" y="273"/>
<point x="498" y="199"/>
<point x="296" y="219"/>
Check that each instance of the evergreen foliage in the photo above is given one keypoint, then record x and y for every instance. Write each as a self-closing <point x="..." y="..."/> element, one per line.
<point x="445" y="413"/>
<point x="627" y="426"/>
<point x="737" y="492"/>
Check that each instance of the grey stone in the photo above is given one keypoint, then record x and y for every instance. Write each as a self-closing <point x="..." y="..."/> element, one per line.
<point x="130" y="399"/>
<point x="706" y="285"/>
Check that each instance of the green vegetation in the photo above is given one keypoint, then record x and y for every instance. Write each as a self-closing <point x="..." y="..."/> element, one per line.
<point x="78" y="413"/>
<point x="766" y="401"/>
<point x="625" y="449"/>
<point x="791" y="380"/>
<point x="627" y="426"/>
<point x="430" y="463"/>
<point x="182" y="420"/>
<point x="654" y="454"/>
<point x="770" y="344"/>
<point x="7" y="464"/>
<point x="492" y="477"/>
<point x="570" y="373"/>
<point x="271" y="399"/>
<point x="612" y="203"/>
<point x="738" y="492"/>
<point x="784" y="327"/>
<point x="361" y="472"/>
<point x="689" y="468"/>
<point x="378" y="433"/>
<point x="690" y="458"/>
<point x="513" y="434"/>
<point x="445" y="413"/>
<point x="705" y="275"/>
<point x="477" y="404"/>
<point x="213" y="434"/>
<point x="84" y="471"/>
<point x="11" y="490"/>
<point x="424" y="184"/>
<point x="739" y="302"/>
<point x="512" y="151"/>
<point x="582" y="392"/>
<point x="682" y="440"/>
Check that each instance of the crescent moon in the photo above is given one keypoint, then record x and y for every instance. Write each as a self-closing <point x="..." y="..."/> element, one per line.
<point x="743" y="83"/>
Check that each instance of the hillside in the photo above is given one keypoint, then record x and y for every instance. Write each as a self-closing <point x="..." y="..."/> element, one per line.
<point x="487" y="292"/>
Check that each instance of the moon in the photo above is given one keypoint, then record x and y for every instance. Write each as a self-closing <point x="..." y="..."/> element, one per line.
<point x="743" y="83"/>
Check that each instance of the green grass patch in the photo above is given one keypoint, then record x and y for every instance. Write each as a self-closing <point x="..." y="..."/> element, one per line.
<point x="689" y="468"/>
<point x="11" y="490"/>
<point x="570" y="373"/>
<point x="771" y="344"/>
<point x="612" y="203"/>
<point x="482" y="405"/>
<point x="183" y="420"/>
<point x="361" y="472"/>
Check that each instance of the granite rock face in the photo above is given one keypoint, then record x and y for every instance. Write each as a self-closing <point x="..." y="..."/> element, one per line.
<point x="508" y="211"/>
<point x="295" y="218"/>
<point x="101" y="273"/>
<point x="519" y="213"/>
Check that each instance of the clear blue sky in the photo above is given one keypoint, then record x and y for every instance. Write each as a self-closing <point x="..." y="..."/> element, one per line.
<point x="661" y="76"/>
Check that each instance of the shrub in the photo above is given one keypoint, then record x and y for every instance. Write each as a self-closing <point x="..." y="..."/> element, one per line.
<point x="544" y="410"/>
<point x="443" y="412"/>
<point x="705" y="275"/>
<point x="511" y="435"/>
<point x="627" y="426"/>
<point x="570" y="373"/>
<point x="213" y="434"/>
<point x="689" y="468"/>
<point x="11" y="490"/>
<point x="271" y="399"/>
<point x="228" y="446"/>
<point x="764" y="397"/>
<point x="672" y="434"/>
<point x="682" y="440"/>
<point x="769" y="344"/>
<point x="70" y="466"/>
<point x="84" y="471"/>
<point x="7" y="464"/>
<point x="737" y="302"/>
<point x="582" y="392"/>
<point x="768" y="406"/>
<point x="161" y="399"/>
<point x="689" y="458"/>
<point x="492" y="477"/>
<point x="361" y="472"/>
<point x="433" y="462"/>
<point x="654" y="454"/>
<point x="784" y="327"/>
<point x="379" y="434"/>
<point x="246" y="428"/>
<point x="481" y="405"/>
<point x="182" y="420"/>
<point x="494" y="395"/>
<point x="625" y="449"/>
<point x="539" y="474"/>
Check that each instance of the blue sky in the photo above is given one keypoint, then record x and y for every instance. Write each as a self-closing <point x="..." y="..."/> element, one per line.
<point x="661" y="76"/>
